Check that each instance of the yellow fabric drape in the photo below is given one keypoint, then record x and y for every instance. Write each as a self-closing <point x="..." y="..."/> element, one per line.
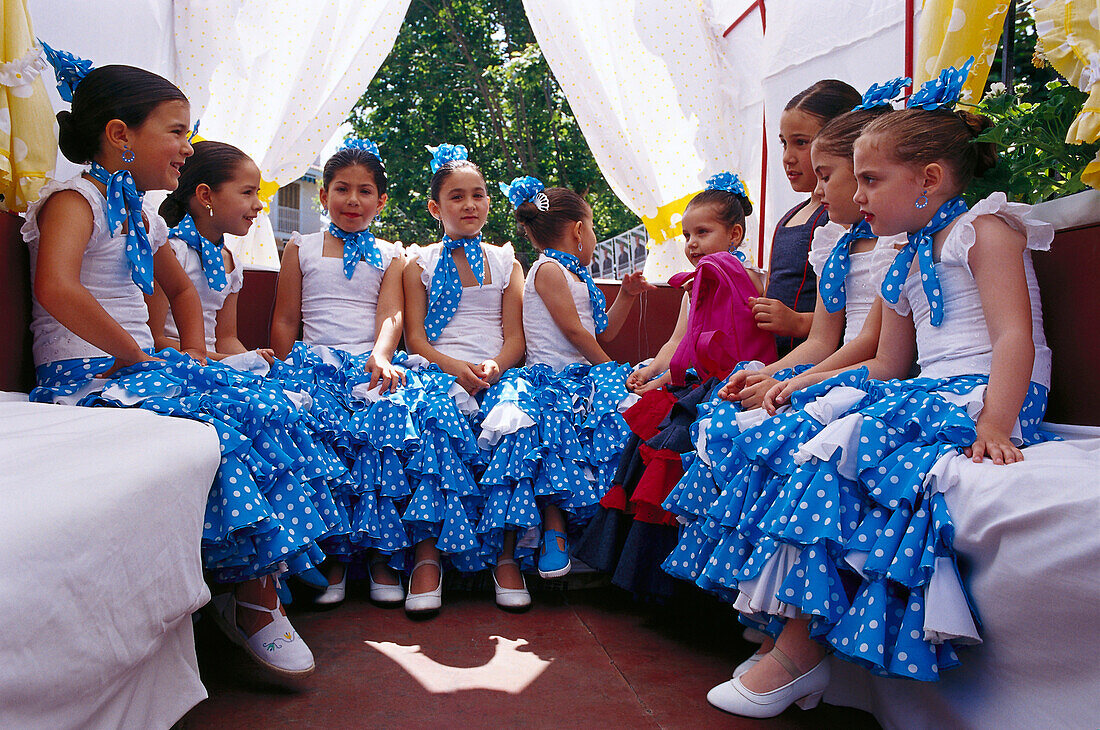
<point x="1069" y="38"/>
<point x="950" y="32"/>
<point x="28" y="135"/>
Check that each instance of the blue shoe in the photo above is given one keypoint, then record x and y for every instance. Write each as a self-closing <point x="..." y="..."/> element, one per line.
<point x="553" y="561"/>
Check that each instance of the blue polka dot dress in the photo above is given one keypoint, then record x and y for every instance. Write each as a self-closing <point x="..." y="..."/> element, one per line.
<point x="446" y="499"/>
<point x="269" y="503"/>
<point x="549" y="439"/>
<point x="367" y="444"/>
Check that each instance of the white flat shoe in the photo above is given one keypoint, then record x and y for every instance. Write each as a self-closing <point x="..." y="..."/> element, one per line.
<point x="510" y="599"/>
<point x="383" y="593"/>
<point x="420" y="603"/>
<point x="276" y="647"/>
<point x="335" y="592"/>
<point x="747" y="664"/>
<point x="805" y="691"/>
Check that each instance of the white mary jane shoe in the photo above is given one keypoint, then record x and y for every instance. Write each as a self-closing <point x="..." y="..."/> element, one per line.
<point x="430" y="601"/>
<point x="335" y="592"/>
<point x="804" y="690"/>
<point x="384" y="594"/>
<point x="510" y="599"/>
<point x="276" y="647"/>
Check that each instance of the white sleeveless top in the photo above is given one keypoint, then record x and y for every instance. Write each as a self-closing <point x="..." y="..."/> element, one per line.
<point x="104" y="272"/>
<point x="212" y="300"/>
<point x="476" y="331"/>
<point x="960" y="345"/>
<point x="337" y="311"/>
<point x="546" y="344"/>
<point x="865" y="272"/>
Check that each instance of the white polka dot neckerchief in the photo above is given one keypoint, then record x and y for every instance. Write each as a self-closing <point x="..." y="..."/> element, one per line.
<point x="920" y="245"/>
<point x="124" y="218"/>
<point x="210" y="252"/>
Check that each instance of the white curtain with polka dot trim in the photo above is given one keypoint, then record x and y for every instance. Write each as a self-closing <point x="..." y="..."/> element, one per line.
<point x="273" y="77"/>
<point x="277" y="77"/>
<point x="652" y="92"/>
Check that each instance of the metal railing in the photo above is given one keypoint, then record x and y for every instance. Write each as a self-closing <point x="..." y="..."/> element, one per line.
<point x="620" y="255"/>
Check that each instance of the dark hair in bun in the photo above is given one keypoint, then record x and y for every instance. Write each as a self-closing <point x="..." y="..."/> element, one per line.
<point x="543" y="227"/>
<point x="125" y="93"/>
<point x="732" y="209"/>
<point x="213" y="163"/>
<point x="825" y="99"/>
<point x="921" y="137"/>
<point x="350" y="157"/>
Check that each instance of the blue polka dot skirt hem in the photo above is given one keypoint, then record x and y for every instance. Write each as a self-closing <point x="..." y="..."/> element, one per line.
<point x="840" y="521"/>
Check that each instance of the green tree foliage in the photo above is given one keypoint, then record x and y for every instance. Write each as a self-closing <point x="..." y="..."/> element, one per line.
<point x="470" y="72"/>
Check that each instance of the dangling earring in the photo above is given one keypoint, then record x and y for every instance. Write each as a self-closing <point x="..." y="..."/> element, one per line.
<point x="128" y="155"/>
<point x="211" y="209"/>
<point x="922" y="200"/>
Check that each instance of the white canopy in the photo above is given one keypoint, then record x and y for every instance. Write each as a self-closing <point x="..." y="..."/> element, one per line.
<point x="667" y="92"/>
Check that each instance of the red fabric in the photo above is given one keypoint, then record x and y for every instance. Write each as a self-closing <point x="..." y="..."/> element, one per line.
<point x="721" y="329"/>
<point x="663" y="469"/>
<point x="615" y="498"/>
<point x="646" y="415"/>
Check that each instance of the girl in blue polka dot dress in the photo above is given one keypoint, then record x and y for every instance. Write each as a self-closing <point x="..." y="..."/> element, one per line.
<point x="850" y="541"/>
<point x="96" y="250"/>
<point x="342" y="288"/>
<point x="565" y="459"/>
<point x="850" y="263"/>
<point x="463" y="303"/>
<point x="218" y="194"/>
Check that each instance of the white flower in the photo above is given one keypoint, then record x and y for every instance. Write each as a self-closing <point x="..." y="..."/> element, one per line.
<point x="996" y="89"/>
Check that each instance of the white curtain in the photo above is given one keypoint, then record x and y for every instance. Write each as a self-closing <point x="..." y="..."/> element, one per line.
<point x="857" y="41"/>
<point x="273" y="77"/>
<point x="654" y="98"/>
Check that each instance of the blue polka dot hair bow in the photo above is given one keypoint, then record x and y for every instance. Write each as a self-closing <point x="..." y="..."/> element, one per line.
<point x="920" y="245"/>
<point x="526" y="188"/>
<point x="68" y="69"/>
<point x="883" y="94"/>
<point x="210" y="253"/>
<point x="835" y="272"/>
<point x="362" y="144"/>
<point x="595" y="296"/>
<point x="358" y="247"/>
<point x="124" y="218"/>
<point x="446" y="290"/>
<point x="729" y="182"/>
<point x="941" y="92"/>
<point x="445" y="153"/>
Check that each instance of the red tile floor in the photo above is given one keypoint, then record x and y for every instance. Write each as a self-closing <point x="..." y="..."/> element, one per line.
<point x="588" y="657"/>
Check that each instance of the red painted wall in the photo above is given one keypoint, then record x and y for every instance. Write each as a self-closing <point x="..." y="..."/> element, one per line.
<point x="16" y="365"/>
<point x="1069" y="283"/>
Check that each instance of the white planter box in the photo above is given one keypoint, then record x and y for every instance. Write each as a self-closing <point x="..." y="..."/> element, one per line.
<point x="1072" y="211"/>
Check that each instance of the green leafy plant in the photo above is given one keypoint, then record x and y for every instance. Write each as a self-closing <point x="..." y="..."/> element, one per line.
<point x="1029" y="129"/>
